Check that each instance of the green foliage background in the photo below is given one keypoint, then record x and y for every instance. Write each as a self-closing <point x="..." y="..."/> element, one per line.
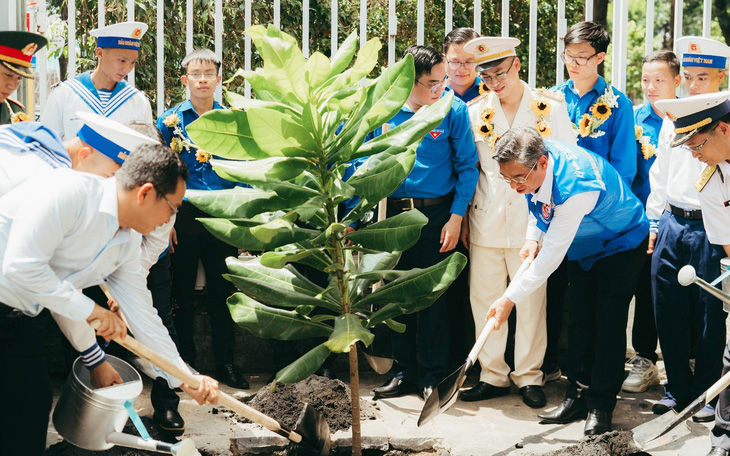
<point x="377" y="26"/>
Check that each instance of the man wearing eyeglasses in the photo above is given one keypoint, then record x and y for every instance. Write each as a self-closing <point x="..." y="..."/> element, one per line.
<point x="582" y="209"/>
<point x="460" y="65"/>
<point x="193" y="242"/>
<point x="495" y="227"/>
<point x="102" y="91"/>
<point x="702" y="126"/>
<point x="440" y="186"/>
<point x="686" y="316"/>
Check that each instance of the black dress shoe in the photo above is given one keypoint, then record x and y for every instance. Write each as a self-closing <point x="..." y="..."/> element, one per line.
<point x="569" y="410"/>
<point x="169" y="421"/>
<point x="483" y="391"/>
<point x="229" y="375"/>
<point x="395" y="387"/>
<point x="533" y="396"/>
<point x="598" y="422"/>
<point x="717" y="451"/>
<point x="425" y="392"/>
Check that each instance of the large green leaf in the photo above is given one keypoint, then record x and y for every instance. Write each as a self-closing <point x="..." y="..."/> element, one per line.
<point x="291" y="190"/>
<point x="272" y="323"/>
<point x="240" y="202"/>
<point x="348" y="330"/>
<point x="411" y="131"/>
<point x="382" y="174"/>
<point x="394" y="234"/>
<point x="280" y="134"/>
<point x="305" y="366"/>
<point x="255" y="172"/>
<point x="225" y="133"/>
<point x="287" y="277"/>
<point x="344" y="55"/>
<point x="304" y="253"/>
<point x="264" y="236"/>
<point x="366" y="60"/>
<point x="371" y="262"/>
<point x="283" y="61"/>
<point x="414" y="291"/>
<point x="317" y="70"/>
<point x="266" y="91"/>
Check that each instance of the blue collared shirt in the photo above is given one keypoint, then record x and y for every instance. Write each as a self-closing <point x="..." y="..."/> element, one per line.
<point x="202" y="176"/>
<point x="618" y="144"/>
<point x="470" y="94"/>
<point x="445" y="160"/>
<point x="651" y="125"/>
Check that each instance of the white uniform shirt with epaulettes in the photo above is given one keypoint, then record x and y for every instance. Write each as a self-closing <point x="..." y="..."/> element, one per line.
<point x="125" y="104"/>
<point x="498" y="214"/>
<point x="715" y="202"/>
<point x="672" y="177"/>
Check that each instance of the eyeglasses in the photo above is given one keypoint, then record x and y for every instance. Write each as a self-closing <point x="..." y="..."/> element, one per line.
<point x="518" y="180"/>
<point x="198" y="76"/>
<point x="497" y="77"/>
<point x="580" y="61"/>
<point x="433" y="88"/>
<point x="456" y="65"/>
<point x="698" y="149"/>
<point x="173" y="209"/>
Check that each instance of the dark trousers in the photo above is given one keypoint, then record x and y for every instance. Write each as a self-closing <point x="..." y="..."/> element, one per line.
<point x="599" y="307"/>
<point x="643" y="333"/>
<point x="25" y="389"/>
<point x="682" y="312"/>
<point x="421" y="353"/>
<point x="159" y="282"/>
<point x="557" y="288"/>
<point x="720" y="436"/>
<point x="196" y="243"/>
<point x="461" y="320"/>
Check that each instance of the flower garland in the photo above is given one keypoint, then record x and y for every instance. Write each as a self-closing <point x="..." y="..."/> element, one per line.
<point x="647" y="148"/>
<point x="589" y="124"/>
<point x="179" y="142"/>
<point x="16" y="117"/>
<point x="540" y="107"/>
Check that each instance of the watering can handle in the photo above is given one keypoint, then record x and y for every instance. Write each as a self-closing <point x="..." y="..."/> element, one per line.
<point x="227" y="400"/>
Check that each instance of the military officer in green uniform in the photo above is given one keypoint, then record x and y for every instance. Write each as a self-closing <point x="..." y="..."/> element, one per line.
<point x="16" y="51"/>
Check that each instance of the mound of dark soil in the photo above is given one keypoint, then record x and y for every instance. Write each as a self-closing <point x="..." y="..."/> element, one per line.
<point x="614" y="443"/>
<point x="331" y="398"/>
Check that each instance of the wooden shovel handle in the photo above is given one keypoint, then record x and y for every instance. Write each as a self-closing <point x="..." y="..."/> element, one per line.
<point x="227" y="400"/>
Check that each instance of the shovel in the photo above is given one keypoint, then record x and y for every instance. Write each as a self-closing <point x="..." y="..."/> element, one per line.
<point x="310" y="436"/>
<point x="446" y="393"/>
<point x="657" y="431"/>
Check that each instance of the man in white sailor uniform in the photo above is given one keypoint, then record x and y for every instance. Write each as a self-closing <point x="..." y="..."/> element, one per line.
<point x="103" y="90"/>
<point x="685" y="314"/>
<point x="580" y="207"/>
<point x="702" y="129"/>
<point x="496" y="222"/>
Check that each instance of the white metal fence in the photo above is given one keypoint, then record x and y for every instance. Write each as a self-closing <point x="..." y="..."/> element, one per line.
<point x="38" y="21"/>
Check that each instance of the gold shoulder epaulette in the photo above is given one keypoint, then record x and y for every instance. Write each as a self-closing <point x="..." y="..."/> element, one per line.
<point x="557" y="96"/>
<point x="474" y="100"/>
<point x="704" y="178"/>
<point x="17" y="103"/>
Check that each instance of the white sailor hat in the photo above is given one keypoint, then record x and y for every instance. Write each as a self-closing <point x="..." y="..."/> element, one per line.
<point x="490" y="50"/>
<point x="691" y="114"/>
<point x="702" y="52"/>
<point x="110" y="137"/>
<point x="124" y="35"/>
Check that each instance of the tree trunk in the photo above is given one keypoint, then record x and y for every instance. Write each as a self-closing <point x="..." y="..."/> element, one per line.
<point x="355" y="399"/>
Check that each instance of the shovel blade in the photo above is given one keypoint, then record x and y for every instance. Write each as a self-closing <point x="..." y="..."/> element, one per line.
<point x="444" y="395"/>
<point x="315" y="433"/>
<point x="660" y="431"/>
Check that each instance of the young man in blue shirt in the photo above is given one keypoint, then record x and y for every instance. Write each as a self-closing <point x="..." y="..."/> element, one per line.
<point x="440" y="185"/>
<point x="659" y="80"/>
<point x="194" y="242"/>
<point x="460" y="65"/>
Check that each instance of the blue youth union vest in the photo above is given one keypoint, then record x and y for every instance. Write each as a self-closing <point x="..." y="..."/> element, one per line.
<point x="616" y="224"/>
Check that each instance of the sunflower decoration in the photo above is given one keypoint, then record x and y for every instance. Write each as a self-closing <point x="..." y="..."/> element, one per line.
<point x="585" y="125"/>
<point x="494" y="140"/>
<point x="540" y="107"/>
<point x="601" y="111"/>
<point x="487" y="115"/>
<point x="171" y="120"/>
<point x="483" y="88"/>
<point x="202" y="156"/>
<point x="486" y="129"/>
<point x="647" y="149"/>
<point x="19" y="117"/>
<point x="639" y="132"/>
<point x="544" y="129"/>
<point x="176" y="144"/>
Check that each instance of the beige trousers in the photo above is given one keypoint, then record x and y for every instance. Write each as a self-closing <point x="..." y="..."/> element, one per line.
<point x="489" y="270"/>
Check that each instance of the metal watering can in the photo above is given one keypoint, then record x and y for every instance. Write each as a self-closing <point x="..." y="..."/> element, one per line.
<point x="93" y="419"/>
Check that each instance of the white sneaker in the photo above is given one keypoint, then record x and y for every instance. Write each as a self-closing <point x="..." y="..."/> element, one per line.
<point x="643" y="374"/>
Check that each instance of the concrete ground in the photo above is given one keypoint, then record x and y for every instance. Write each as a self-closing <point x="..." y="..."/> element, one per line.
<point x="496" y="427"/>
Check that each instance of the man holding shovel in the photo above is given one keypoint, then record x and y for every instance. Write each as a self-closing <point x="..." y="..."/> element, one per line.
<point x="64" y="231"/>
<point x="702" y="128"/>
<point x="580" y="207"/>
